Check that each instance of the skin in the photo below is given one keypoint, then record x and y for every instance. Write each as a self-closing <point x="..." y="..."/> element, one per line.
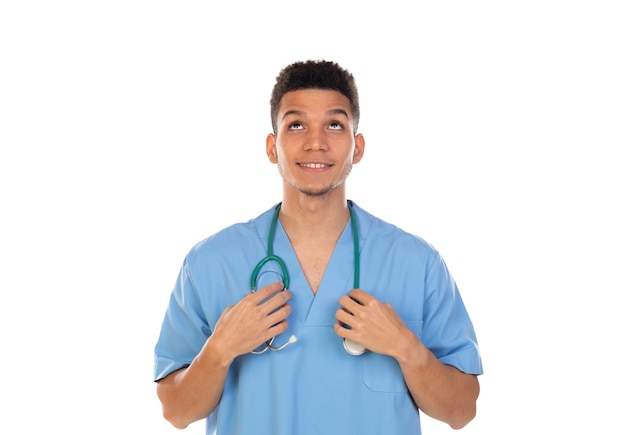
<point x="314" y="148"/>
<point x="441" y="391"/>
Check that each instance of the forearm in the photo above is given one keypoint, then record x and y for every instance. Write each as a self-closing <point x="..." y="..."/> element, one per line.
<point x="192" y="393"/>
<point x="441" y="391"/>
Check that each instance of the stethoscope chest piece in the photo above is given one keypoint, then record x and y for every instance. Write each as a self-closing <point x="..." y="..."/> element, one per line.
<point x="352" y="347"/>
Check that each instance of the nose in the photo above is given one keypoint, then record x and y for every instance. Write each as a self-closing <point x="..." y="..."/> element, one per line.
<point x="316" y="140"/>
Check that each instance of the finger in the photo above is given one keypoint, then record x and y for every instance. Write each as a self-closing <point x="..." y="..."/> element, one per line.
<point x="275" y="301"/>
<point x="360" y="296"/>
<point x="277" y="329"/>
<point x="347" y="321"/>
<point x="265" y="292"/>
<point x="345" y="318"/>
<point x="278" y="316"/>
<point x="340" y="329"/>
<point x="349" y="304"/>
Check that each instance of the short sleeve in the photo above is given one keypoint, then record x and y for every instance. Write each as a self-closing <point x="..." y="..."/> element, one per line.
<point x="185" y="328"/>
<point x="448" y="330"/>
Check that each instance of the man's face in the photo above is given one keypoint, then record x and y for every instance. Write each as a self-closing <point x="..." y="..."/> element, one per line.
<point x="315" y="145"/>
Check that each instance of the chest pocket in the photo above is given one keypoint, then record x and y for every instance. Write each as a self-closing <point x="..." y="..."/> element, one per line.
<point x="382" y="373"/>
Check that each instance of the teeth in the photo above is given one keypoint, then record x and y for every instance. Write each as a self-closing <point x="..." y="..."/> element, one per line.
<point x="314" y="165"/>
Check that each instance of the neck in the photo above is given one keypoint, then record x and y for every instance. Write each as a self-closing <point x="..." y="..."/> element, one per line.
<point x="322" y="219"/>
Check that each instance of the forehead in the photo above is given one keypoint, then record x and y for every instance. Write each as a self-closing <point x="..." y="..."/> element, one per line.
<point x="313" y="102"/>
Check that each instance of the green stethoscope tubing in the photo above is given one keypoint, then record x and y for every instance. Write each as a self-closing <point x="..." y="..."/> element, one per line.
<point x="283" y="267"/>
<point x="350" y="346"/>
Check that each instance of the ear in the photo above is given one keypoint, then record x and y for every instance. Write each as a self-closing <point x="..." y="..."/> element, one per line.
<point x="270" y="148"/>
<point x="359" y="148"/>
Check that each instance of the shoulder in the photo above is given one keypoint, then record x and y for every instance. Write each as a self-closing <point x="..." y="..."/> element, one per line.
<point x="383" y="233"/>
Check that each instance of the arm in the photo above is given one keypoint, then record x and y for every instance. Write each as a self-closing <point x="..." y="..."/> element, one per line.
<point x="192" y="393"/>
<point x="441" y="391"/>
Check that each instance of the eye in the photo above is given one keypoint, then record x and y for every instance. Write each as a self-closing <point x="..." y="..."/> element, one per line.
<point x="335" y="125"/>
<point x="295" y="126"/>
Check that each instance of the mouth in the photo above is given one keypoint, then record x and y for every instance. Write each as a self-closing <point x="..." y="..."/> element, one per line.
<point x="314" y="165"/>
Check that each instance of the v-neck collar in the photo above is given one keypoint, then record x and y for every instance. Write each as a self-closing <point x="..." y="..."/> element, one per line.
<point x="318" y="309"/>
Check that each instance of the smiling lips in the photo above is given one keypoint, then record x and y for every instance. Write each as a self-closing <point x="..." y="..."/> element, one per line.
<point x="314" y="165"/>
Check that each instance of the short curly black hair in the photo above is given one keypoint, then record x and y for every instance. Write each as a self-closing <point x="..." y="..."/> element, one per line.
<point x="315" y="74"/>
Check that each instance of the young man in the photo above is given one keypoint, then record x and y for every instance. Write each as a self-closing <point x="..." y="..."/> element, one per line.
<point x="382" y="332"/>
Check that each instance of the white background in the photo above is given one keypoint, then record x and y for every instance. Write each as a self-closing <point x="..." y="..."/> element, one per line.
<point x="130" y="130"/>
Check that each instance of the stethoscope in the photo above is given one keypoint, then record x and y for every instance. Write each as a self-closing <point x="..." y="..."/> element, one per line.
<point x="352" y="347"/>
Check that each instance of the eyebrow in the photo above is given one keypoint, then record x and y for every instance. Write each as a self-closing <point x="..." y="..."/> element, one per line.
<point x="303" y="114"/>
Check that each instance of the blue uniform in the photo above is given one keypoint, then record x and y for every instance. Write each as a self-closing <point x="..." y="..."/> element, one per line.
<point x="314" y="386"/>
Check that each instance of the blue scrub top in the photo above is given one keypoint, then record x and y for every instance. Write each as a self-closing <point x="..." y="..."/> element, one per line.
<point x="314" y="386"/>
